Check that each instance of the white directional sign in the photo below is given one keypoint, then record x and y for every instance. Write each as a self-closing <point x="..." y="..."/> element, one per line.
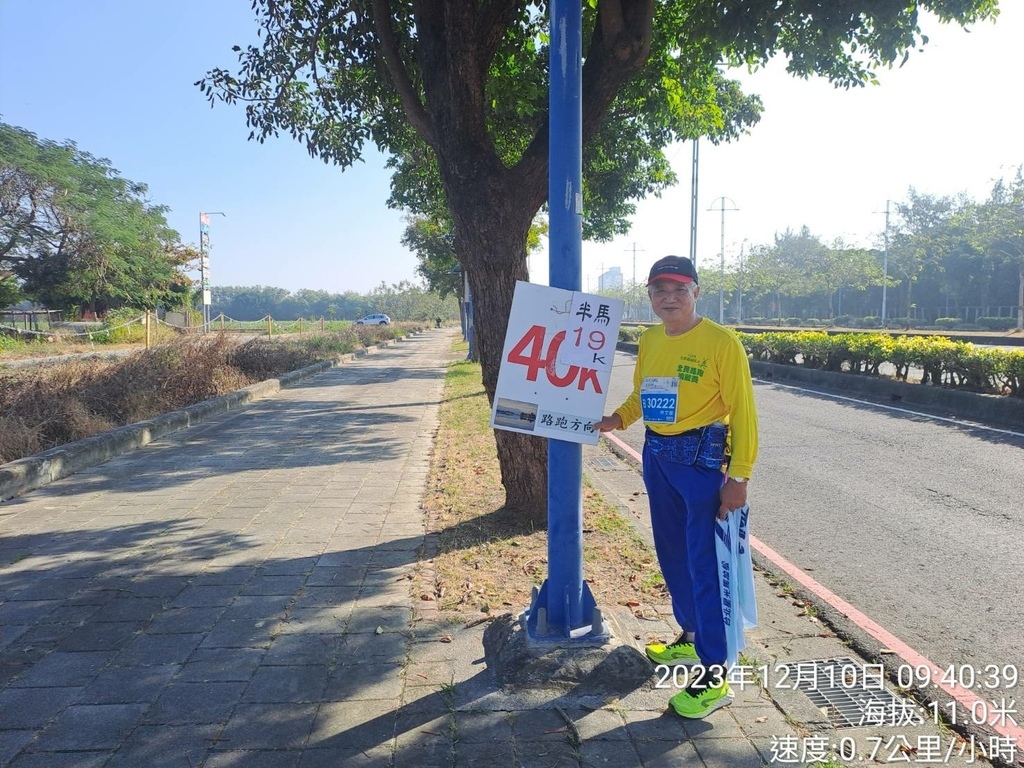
<point x="556" y="364"/>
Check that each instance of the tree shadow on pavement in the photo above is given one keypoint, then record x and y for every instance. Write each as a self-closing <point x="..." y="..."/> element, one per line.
<point x="191" y="636"/>
<point x="266" y="437"/>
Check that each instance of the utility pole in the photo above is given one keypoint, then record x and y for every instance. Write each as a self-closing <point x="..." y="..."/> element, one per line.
<point x="204" y="261"/>
<point x="632" y="288"/>
<point x="885" y="262"/>
<point x="634" y="260"/>
<point x="721" y="286"/>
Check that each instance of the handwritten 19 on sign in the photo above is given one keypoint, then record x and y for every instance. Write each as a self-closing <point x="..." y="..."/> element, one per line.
<point x="529" y="351"/>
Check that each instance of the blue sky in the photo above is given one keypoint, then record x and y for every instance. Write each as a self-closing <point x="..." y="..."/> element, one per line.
<point x="116" y="77"/>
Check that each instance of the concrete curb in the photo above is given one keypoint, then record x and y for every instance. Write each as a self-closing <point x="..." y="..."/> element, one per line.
<point x="31" y="472"/>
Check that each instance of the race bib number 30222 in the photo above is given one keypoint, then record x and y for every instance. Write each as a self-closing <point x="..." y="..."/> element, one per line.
<point x="659" y="399"/>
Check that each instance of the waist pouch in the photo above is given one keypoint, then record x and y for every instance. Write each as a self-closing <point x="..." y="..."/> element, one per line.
<point x="704" y="447"/>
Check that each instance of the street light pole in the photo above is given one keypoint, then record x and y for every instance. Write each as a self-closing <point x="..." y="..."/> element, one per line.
<point x="564" y="609"/>
<point x="721" y="285"/>
<point x="204" y="261"/>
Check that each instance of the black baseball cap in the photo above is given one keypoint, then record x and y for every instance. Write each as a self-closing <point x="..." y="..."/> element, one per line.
<point x="678" y="268"/>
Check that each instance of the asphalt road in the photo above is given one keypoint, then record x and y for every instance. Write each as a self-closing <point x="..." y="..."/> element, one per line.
<point x="917" y="522"/>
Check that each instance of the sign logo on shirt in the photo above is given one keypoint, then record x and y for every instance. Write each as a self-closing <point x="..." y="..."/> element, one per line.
<point x="691" y="369"/>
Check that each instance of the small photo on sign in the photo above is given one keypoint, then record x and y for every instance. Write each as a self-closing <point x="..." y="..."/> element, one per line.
<point x="513" y="413"/>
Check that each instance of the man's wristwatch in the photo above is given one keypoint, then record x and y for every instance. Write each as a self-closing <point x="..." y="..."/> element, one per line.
<point x="738" y="479"/>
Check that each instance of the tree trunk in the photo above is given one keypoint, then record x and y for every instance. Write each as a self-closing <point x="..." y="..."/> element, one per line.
<point x="523" y="459"/>
<point x="490" y="236"/>
<point x="492" y="205"/>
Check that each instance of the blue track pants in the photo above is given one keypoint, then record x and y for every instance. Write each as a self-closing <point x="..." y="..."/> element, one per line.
<point x="684" y="502"/>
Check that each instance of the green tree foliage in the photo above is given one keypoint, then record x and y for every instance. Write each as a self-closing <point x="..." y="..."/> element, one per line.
<point x="455" y="92"/>
<point x="927" y="227"/>
<point x="433" y="242"/>
<point x="251" y="302"/>
<point x="405" y="301"/>
<point x="999" y="230"/>
<point x="402" y="301"/>
<point x="432" y="239"/>
<point x="954" y="258"/>
<point x="10" y="291"/>
<point x="633" y="295"/>
<point x="800" y="265"/>
<point x="78" y="235"/>
<point x="770" y="274"/>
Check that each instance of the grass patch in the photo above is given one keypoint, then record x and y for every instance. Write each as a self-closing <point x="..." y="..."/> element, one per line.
<point x="488" y="557"/>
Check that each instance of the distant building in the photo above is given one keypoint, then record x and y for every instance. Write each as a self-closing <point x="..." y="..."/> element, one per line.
<point x="610" y="279"/>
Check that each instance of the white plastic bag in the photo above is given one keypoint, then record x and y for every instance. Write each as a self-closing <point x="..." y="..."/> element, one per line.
<point x="739" y="520"/>
<point x="735" y="580"/>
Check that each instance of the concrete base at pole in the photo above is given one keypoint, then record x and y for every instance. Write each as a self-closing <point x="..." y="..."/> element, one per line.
<point x="593" y="629"/>
<point x="606" y="667"/>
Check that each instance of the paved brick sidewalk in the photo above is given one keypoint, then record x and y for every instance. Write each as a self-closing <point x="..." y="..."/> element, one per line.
<point x="237" y="586"/>
<point x="239" y="594"/>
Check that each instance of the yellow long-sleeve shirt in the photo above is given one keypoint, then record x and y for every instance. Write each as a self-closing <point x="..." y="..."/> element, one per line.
<point x="714" y="384"/>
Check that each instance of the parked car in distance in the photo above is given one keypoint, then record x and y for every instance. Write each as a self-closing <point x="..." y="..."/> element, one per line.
<point x="374" y="320"/>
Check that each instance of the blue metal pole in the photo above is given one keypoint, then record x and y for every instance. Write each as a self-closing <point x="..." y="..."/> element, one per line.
<point x="565" y="602"/>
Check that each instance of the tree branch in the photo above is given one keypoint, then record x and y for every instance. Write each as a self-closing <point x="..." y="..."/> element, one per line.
<point x="410" y="99"/>
<point x="7" y="247"/>
<point x="619" y="48"/>
<point x="492" y="22"/>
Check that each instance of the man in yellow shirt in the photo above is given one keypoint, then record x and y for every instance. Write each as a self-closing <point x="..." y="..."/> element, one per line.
<point x="692" y="387"/>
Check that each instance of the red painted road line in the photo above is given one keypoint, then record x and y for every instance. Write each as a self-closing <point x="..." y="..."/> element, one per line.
<point x="963" y="696"/>
<point x="622" y="446"/>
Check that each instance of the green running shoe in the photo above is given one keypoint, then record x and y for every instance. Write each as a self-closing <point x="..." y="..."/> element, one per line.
<point x="701" y="699"/>
<point x="679" y="652"/>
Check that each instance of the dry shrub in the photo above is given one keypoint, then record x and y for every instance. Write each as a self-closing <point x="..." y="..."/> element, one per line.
<point x="261" y="359"/>
<point x="17" y="439"/>
<point x="48" y="406"/>
<point x="375" y="334"/>
<point x="164" y="379"/>
<point x="227" y="379"/>
<point x="74" y="420"/>
<point x="45" y="409"/>
<point x="193" y="370"/>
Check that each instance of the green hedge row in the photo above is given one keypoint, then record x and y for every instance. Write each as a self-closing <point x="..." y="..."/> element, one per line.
<point x="943" y="362"/>
<point x="631" y="334"/>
